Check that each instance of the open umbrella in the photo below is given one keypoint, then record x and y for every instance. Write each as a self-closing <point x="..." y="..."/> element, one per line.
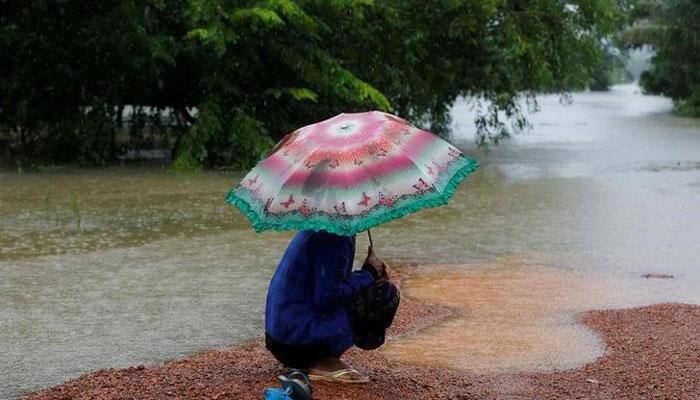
<point x="349" y="173"/>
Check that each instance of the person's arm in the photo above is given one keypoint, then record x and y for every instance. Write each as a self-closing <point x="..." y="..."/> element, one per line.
<point x="375" y="265"/>
<point x="334" y="284"/>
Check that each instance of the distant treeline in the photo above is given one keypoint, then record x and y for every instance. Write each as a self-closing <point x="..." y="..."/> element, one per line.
<point x="672" y="29"/>
<point x="218" y="82"/>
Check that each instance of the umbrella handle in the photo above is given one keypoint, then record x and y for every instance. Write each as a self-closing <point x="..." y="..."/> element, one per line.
<point x="370" y="238"/>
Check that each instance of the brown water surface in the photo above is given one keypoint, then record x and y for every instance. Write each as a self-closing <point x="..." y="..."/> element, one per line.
<point x="516" y="313"/>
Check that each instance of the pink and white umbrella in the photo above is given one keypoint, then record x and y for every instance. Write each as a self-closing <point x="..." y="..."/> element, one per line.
<point x="350" y="173"/>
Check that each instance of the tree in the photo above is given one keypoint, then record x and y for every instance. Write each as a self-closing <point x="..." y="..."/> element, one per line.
<point x="219" y="82"/>
<point x="672" y="28"/>
<point x="498" y="51"/>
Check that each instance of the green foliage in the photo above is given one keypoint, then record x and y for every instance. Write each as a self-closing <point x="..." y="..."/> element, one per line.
<point x="689" y="106"/>
<point x="218" y="82"/>
<point x="610" y="70"/>
<point x="296" y="93"/>
<point x="672" y="28"/>
<point x="191" y="151"/>
<point x="248" y="138"/>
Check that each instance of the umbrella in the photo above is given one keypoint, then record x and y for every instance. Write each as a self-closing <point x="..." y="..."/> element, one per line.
<point x="350" y="173"/>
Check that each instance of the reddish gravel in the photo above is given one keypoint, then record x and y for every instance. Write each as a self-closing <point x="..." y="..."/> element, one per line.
<point x="653" y="353"/>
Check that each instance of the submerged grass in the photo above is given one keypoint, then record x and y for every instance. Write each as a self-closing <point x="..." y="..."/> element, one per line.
<point x="47" y="201"/>
<point x="75" y="207"/>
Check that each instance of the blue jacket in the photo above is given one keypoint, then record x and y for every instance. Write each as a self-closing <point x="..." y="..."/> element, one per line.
<point x="308" y="292"/>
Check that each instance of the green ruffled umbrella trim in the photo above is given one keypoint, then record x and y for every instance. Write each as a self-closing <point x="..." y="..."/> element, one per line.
<point x="377" y="216"/>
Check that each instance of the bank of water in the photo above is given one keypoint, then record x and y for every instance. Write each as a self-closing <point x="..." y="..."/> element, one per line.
<point x="119" y="266"/>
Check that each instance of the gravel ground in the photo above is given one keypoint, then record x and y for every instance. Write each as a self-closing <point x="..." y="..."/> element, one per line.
<point x="652" y="353"/>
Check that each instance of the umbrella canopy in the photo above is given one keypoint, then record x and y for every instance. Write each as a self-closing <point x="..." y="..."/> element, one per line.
<point x="350" y="173"/>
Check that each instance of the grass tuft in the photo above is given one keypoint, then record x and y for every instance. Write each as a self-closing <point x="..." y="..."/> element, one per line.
<point x="75" y="207"/>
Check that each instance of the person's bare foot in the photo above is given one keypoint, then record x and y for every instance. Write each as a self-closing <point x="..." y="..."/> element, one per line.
<point x="335" y="370"/>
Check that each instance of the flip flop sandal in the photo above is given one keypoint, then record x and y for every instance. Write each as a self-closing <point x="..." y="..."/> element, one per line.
<point x="292" y="388"/>
<point x="300" y="388"/>
<point x="337" y="376"/>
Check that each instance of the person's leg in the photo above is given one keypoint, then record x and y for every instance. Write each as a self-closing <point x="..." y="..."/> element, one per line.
<point x="371" y="312"/>
<point x="335" y="370"/>
<point x="298" y="357"/>
<point x="316" y="360"/>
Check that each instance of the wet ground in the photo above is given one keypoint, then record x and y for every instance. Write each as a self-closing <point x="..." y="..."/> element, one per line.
<point x="652" y="354"/>
<point x="119" y="266"/>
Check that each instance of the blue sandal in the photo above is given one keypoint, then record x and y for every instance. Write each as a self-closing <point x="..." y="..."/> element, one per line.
<point x="292" y="388"/>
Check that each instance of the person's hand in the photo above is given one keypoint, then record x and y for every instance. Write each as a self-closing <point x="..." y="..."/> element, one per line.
<point x="381" y="268"/>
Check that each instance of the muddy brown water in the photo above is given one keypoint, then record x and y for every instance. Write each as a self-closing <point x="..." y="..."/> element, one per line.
<point x="119" y="266"/>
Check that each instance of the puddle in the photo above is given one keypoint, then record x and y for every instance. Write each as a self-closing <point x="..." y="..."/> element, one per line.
<point x="513" y="315"/>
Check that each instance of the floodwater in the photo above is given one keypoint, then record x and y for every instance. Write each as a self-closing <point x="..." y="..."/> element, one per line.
<point x="119" y="266"/>
<point x="566" y="218"/>
<point x="513" y="314"/>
